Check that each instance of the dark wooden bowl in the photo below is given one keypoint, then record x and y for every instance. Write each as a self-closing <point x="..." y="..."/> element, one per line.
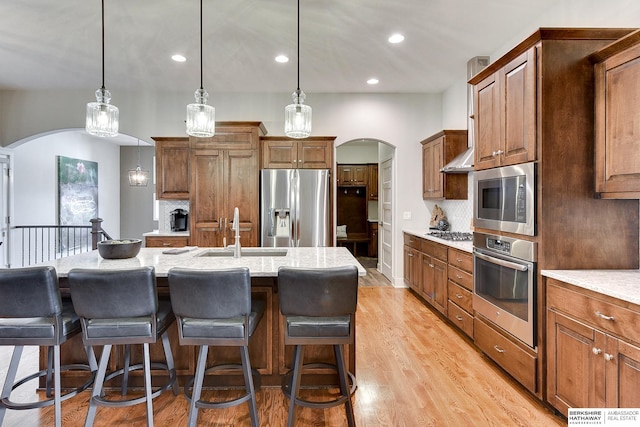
<point x="119" y="248"/>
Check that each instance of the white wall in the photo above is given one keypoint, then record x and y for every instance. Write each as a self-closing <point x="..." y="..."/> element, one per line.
<point x="35" y="182"/>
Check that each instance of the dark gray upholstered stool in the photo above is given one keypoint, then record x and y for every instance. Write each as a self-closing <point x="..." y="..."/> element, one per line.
<point x="33" y="313"/>
<point x="214" y="308"/>
<point x="319" y="308"/>
<point x="122" y="307"/>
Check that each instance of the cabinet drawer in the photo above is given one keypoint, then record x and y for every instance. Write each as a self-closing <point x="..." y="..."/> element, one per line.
<point x="460" y="318"/>
<point x="604" y="315"/>
<point x="412" y="241"/>
<point x="166" y="242"/>
<point x="461" y="296"/>
<point x="460" y="277"/>
<point x="434" y="249"/>
<point x="510" y="356"/>
<point x="460" y="259"/>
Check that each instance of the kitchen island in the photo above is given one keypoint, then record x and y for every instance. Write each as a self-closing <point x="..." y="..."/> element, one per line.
<point x="267" y="350"/>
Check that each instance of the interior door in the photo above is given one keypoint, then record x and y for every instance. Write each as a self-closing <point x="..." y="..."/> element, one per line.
<point x="386" y="225"/>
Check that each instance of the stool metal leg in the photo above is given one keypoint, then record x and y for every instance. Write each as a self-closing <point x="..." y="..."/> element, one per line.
<point x="125" y="373"/>
<point x="147" y="384"/>
<point x="170" y="363"/>
<point x="11" y="377"/>
<point x="197" y="385"/>
<point x="56" y="386"/>
<point x="344" y="384"/>
<point x="97" y="385"/>
<point x="298" y="357"/>
<point x="49" y="371"/>
<point x="248" y="381"/>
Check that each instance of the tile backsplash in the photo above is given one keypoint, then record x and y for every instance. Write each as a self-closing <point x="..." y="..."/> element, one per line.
<point x="165" y="207"/>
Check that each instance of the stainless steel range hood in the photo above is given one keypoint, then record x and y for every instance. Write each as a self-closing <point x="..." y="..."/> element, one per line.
<point x="463" y="163"/>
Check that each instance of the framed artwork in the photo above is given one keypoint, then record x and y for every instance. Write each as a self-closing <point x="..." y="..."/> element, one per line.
<point x="77" y="191"/>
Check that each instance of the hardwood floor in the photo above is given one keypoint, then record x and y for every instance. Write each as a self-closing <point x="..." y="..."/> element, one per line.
<point x="413" y="369"/>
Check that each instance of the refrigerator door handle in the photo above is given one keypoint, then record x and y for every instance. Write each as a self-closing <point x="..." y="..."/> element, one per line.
<point x="296" y="203"/>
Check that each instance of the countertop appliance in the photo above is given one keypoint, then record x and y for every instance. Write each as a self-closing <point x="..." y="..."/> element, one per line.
<point x="295" y="208"/>
<point x="504" y="283"/>
<point x="504" y="199"/>
<point x="179" y="220"/>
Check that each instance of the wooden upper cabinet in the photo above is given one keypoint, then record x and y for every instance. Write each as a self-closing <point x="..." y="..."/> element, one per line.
<point x="505" y="114"/>
<point x="372" y="183"/>
<point x="617" y="127"/>
<point x="353" y="174"/>
<point x="437" y="151"/>
<point x="172" y="168"/>
<point x="279" y="152"/>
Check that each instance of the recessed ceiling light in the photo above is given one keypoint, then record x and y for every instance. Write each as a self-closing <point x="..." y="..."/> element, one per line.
<point x="373" y="81"/>
<point x="396" y="38"/>
<point x="282" y="59"/>
<point x="178" y="58"/>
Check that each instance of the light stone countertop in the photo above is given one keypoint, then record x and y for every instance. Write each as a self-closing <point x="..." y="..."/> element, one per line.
<point x="158" y="233"/>
<point x="621" y="284"/>
<point x="423" y="233"/>
<point x="260" y="266"/>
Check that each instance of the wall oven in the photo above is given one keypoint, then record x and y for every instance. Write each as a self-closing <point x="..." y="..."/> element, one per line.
<point x="505" y="199"/>
<point x="504" y="282"/>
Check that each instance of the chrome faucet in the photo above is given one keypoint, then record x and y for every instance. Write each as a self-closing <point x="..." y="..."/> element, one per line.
<point x="236" y="227"/>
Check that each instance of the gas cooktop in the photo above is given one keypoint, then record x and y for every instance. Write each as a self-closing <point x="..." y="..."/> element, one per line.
<point x="452" y="235"/>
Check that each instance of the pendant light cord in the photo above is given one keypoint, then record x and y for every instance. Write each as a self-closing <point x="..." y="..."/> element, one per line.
<point x="298" y="45"/>
<point x="201" y="72"/>
<point x="103" y="45"/>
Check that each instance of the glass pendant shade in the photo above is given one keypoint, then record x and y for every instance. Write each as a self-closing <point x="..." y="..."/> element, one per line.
<point x="102" y="117"/>
<point x="201" y="118"/>
<point x="297" y="119"/>
<point x="138" y="177"/>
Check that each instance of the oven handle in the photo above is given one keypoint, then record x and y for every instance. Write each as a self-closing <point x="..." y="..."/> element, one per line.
<point x="503" y="263"/>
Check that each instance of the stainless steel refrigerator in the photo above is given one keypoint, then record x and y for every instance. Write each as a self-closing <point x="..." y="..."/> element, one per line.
<point x="295" y="207"/>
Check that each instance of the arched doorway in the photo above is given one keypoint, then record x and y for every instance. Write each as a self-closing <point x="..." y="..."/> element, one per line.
<point x="378" y="209"/>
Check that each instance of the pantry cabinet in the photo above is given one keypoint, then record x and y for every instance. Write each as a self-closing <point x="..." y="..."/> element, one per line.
<point x="280" y="152"/>
<point x="505" y="114"/>
<point x="617" y="134"/>
<point x="593" y="352"/>
<point x="225" y="175"/>
<point x="172" y="168"/>
<point x="353" y="175"/>
<point x="437" y="151"/>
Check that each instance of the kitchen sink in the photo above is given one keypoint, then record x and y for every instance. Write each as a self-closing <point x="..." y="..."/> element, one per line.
<point x="245" y="252"/>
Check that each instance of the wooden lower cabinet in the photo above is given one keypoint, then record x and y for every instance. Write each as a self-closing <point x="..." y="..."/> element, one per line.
<point x="517" y="359"/>
<point x="591" y="359"/>
<point x="166" y="241"/>
<point x="460" y="289"/>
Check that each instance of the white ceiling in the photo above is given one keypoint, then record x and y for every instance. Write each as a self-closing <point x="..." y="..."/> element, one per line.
<point x="56" y="44"/>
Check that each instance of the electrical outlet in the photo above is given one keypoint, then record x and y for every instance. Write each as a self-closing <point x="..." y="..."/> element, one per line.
<point x="406" y="215"/>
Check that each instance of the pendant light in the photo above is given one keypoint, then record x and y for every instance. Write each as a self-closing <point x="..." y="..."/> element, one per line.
<point x="201" y="118"/>
<point x="297" y="116"/>
<point x="102" y="117"/>
<point x="138" y="177"/>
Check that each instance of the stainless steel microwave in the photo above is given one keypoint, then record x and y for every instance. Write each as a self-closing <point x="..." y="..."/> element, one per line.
<point x="504" y="199"/>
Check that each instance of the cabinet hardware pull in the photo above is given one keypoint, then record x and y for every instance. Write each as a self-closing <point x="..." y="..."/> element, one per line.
<point x="498" y="349"/>
<point x="458" y="259"/>
<point x="596" y="351"/>
<point x="458" y="276"/>
<point x="459" y="296"/>
<point x="608" y="357"/>
<point x="459" y="318"/>
<point x="410" y="255"/>
<point x="604" y="316"/>
<point x="166" y="244"/>
<point x="431" y="265"/>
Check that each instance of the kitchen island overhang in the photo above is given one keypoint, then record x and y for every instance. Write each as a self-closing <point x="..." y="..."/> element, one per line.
<point x="267" y="350"/>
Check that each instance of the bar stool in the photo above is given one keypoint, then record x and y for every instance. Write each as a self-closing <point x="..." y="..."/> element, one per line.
<point x="33" y="313"/>
<point x="122" y="307"/>
<point x="319" y="308"/>
<point x="214" y="308"/>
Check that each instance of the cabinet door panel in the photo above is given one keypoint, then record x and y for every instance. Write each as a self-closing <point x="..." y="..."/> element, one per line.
<point x="623" y="375"/>
<point x="207" y="209"/>
<point x="315" y="155"/>
<point x="487" y="123"/>
<point x="518" y="88"/>
<point x="241" y="191"/>
<point x="172" y="168"/>
<point x="279" y="154"/>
